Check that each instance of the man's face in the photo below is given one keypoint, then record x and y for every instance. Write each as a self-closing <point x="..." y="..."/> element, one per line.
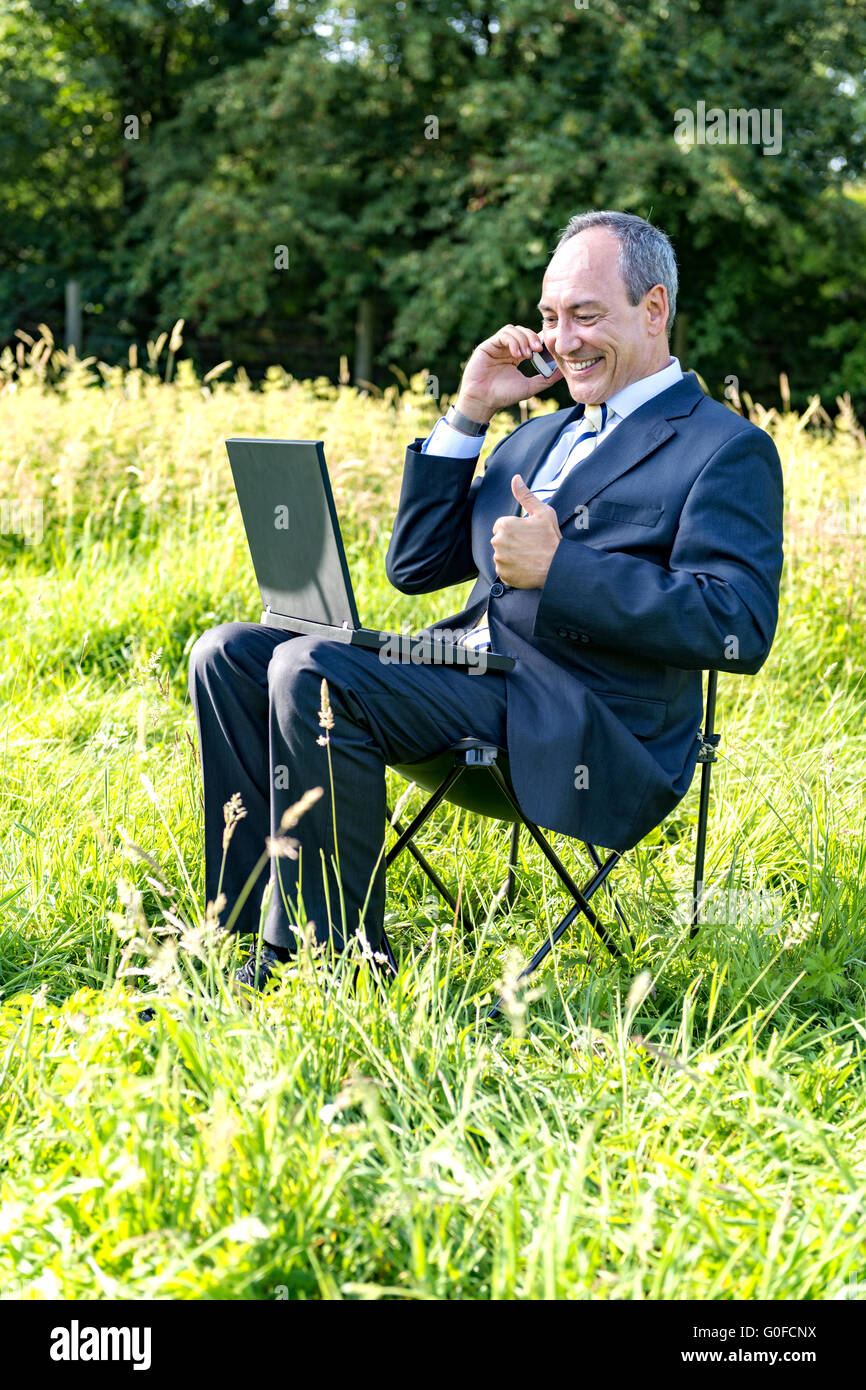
<point x="601" y="342"/>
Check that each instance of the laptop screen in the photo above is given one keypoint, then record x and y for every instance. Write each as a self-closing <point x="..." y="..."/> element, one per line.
<point x="292" y="529"/>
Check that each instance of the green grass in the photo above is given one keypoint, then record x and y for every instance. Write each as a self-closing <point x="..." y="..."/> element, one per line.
<point x="705" y="1140"/>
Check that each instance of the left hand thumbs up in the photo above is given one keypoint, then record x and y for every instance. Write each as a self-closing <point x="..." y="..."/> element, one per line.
<point x="523" y="547"/>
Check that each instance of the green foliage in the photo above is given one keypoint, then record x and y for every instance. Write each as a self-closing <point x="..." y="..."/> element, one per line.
<point x="264" y="128"/>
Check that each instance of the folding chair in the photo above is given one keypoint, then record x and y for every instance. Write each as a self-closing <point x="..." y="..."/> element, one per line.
<point x="475" y="775"/>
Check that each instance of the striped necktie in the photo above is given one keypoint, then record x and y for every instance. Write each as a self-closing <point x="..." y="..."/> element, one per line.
<point x="593" y="422"/>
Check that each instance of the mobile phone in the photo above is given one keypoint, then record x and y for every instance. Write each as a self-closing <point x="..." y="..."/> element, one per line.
<point x="538" y="364"/>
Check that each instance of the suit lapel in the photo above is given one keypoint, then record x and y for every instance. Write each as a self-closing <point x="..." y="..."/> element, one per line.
<point x="633" y="440"/>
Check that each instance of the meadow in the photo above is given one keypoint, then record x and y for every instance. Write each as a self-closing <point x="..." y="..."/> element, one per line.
<point x="703" y="1139"/>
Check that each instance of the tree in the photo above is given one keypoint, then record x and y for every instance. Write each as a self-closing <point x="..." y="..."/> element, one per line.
<point x="393" y="176"/>
<point x="81" y="88"/>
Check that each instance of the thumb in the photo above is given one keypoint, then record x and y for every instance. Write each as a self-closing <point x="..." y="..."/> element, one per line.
<point x="531" y="504"/>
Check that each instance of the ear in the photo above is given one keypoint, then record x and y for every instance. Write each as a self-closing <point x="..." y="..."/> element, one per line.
<point x="657" y="310"/>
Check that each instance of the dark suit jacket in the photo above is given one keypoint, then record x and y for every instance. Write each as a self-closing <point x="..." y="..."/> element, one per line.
<point x="669" y="565"/>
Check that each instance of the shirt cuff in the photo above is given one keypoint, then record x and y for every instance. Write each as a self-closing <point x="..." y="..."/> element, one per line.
<point x="450" y="443"/>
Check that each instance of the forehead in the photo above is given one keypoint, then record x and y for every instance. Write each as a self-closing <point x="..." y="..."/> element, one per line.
<point x="585" y="268"/>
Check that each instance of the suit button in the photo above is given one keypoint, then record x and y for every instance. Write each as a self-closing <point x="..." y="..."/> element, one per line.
<point x="562" y="632"/>
<point x="497" y="590"/>
<point x="583" y="636"/>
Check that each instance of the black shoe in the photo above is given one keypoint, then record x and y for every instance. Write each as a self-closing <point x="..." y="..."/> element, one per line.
<point x="269" y="958"/>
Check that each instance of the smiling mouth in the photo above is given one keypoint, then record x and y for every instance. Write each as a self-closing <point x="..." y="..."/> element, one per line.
<point x="583" y="366"/>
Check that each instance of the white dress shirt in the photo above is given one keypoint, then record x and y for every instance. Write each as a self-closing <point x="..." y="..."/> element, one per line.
<point x="566" y="454"/>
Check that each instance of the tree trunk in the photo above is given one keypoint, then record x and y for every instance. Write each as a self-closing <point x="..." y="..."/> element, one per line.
<point x="73" y="316"/>
<point x="364" y="341"/>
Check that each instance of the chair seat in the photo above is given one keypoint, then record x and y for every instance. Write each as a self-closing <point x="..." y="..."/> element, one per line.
<point x="475" y="789"/>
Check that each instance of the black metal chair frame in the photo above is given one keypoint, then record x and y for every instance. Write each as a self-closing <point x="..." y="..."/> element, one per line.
<point x="471" y="757"/>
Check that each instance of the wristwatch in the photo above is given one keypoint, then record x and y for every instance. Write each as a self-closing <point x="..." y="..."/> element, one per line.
<point x="462" y="422"/>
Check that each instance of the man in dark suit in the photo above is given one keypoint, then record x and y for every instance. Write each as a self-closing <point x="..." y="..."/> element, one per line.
<point x="619" y="549"/>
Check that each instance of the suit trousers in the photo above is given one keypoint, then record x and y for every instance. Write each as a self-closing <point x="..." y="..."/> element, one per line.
<point x="257" y="696"/>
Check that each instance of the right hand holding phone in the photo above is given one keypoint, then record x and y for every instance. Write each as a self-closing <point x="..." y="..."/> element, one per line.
<point x="491" y="378"/>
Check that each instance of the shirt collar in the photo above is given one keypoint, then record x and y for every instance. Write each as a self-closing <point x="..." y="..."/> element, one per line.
<point x="637" y="393"/>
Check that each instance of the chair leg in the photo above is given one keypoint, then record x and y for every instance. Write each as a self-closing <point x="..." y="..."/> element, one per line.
<point x="510" y="883"/>
<point x="423" y="816"/>
<point x="405" y="840"/>
<point x="562" y="872"/>
<point x="700" y="850"/>
<point x="597" y="861"/>
<point x="441" y="888"/>
<point x="598" y="878"/>
<point x="709" y="741"/>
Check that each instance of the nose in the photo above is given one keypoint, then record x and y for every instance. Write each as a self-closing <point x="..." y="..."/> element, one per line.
<point x="564" y="340"/>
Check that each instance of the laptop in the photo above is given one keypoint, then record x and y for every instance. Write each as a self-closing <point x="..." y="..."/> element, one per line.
<point x="298" y="556"/>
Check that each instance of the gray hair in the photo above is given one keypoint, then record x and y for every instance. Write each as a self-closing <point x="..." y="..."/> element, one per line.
<point x="646" y="256"/>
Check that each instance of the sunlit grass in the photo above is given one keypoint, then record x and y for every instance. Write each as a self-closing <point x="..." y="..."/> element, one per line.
<point x="705" y="1140"/>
